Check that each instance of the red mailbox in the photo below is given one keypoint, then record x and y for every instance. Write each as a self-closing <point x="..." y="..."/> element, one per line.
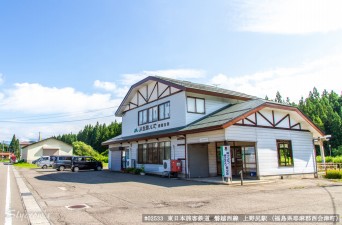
<point x="176" y="166"/>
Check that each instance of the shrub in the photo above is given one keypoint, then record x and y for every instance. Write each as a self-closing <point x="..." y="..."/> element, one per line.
<point x="129" y="170"/>
<point x="319" y="159"/>
<point x="334" y="174"/>
<point x="105" y="153"/>
<point x="329" y="159"/>
<point x="80" y="148"/>
<point x="137" y="171"/>
<point x="337" y="159"/>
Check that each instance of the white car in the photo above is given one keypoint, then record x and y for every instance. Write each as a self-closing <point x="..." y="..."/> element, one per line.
<point x="45" y="161"/>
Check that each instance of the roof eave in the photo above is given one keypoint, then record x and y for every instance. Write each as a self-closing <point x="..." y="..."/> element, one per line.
<point x="206" y="129"/>
<point x="205" y="92"/>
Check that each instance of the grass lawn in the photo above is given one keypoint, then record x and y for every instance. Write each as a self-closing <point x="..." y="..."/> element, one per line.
<point x="105" y="165"/>
<point x="6" y="160"/>
<point x="25" y="165"/>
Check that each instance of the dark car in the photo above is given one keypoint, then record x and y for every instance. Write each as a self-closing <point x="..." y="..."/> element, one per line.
<point x="85" y="163"/>
<point x="62" y="162"/>
<point x="36" y="160"/>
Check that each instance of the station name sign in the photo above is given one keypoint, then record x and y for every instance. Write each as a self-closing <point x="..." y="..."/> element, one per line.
<point x="226" y="161"/>
<point x="151" y="127"/>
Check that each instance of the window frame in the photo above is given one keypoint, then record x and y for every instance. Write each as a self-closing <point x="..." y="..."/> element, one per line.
<point x="196" y="110"/>
<point x="164" y="106"/>
<point x="153" y="151"/>
<point x="289" y="148"/>
<point x="147" y="110"/>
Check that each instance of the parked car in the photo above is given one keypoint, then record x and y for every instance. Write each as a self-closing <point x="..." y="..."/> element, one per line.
<point x="85" y="163"/>
<point x="62" y="162"/>
<point x="45" y="161"/>
<point x="36" y="160"/>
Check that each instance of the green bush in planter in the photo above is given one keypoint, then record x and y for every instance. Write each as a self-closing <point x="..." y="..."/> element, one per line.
<point x="334" y="174"/>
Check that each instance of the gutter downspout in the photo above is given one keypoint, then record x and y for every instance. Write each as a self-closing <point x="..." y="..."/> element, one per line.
<point x="314" y="160"/>
<point x="186" y="158"/>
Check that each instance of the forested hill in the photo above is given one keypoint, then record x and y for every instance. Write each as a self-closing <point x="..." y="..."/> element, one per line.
<point x="325" y="110"/>
<point x="93" y="135"/>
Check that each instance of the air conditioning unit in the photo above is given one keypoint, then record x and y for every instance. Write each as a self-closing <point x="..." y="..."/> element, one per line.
<point x="130" y="163"/>
<point x="167" y="165"/>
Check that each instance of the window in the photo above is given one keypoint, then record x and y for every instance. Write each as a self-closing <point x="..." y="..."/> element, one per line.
<point x="142" y="117"/>
<point x="164" y="111"/>
<point x="154" y="153"/>
<point x="153" y="114"/>
<point x="284" y="153"/>
<point x="196" y="105"/>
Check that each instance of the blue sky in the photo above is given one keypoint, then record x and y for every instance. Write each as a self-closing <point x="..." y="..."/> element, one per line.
<point x="61" y="59"/>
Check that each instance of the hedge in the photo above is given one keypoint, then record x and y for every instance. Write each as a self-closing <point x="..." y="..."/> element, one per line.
<point x="330" y="159"/>
<point x="334" y="174"/>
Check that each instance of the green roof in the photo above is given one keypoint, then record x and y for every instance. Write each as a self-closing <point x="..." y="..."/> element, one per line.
<point x="205" y="87"/>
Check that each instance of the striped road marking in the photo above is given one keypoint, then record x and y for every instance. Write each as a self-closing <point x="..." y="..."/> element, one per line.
<point x="8" y="213"/>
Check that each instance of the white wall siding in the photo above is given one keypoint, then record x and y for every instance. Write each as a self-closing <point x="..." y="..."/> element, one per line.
<point x="239" y="133"/>
<point x="212" y="159"/>
<point x="212" y="104"/>
<point x="267" y="154"/>
<point x="35" y="151"/>
<point x="177" y="115"/>
<point x="211" y="136"/>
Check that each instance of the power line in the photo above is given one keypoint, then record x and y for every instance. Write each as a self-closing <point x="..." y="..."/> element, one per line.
<point x="65" y="121"/>
<point x="59" y="115"/>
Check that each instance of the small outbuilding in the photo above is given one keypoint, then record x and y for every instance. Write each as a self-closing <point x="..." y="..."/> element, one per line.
<point x="4" y="155"/>
<point x="47" y="147"/>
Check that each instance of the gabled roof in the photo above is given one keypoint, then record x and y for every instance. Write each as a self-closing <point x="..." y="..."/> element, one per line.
<point x="38" y="142"/>
<point x="184" y="86"/>
<point x="222" y="118"/>
<point x="225" y="115"/>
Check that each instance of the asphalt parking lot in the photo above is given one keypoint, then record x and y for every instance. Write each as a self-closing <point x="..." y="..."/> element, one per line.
<point x="115" y="198"/>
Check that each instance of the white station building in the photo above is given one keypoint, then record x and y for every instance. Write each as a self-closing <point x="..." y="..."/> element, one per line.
<point x="164" y="118"/>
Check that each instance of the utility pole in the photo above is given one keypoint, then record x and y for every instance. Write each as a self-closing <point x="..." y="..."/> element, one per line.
<point x="330" y="149"/>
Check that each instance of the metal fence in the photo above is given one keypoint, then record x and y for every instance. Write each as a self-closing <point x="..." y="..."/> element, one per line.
<point x="328" y="166"/>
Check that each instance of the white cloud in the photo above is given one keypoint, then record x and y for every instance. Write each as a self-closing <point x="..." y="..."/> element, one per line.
<point x="1" y="78"/>
<point x="37" y="106"/>
<point x="292" y="82"/>
<point x="108" y="86"/>
<point x="35" y="98"/>
<point x="129" y="79"/>
<point x="289" y="16"/>
<point x="111" y="87"/>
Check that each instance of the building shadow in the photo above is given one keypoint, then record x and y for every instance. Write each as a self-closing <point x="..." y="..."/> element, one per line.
<point x="105" y="176"/>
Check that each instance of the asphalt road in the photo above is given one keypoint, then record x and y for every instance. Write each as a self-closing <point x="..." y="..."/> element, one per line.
<point x="10" y="202"/>
<point x="115" y="198"/>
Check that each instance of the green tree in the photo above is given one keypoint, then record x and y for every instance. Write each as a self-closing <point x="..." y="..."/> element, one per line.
<point x="278" y="98"/>
<point x="94" y="135"/>
<point x="324" y="110"/>
<point x="81" y="148"/>
<point x="15" y="146"/>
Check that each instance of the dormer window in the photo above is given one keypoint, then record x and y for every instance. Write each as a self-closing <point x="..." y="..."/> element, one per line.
<point x="196" y="105"/>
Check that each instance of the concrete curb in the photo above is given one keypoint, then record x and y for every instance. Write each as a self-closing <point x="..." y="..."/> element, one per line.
<point x="35" y="214"/>
<point x="234" y="183"/>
